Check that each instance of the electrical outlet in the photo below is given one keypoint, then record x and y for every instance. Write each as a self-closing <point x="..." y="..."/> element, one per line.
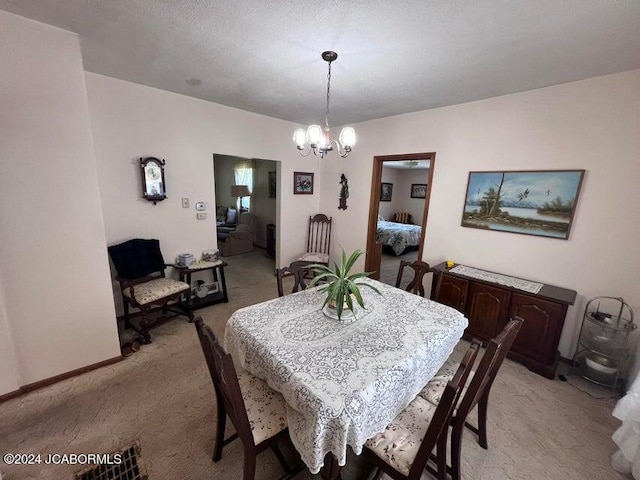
<point x="201" y="216"/>
<point x="200" y="206"/>
<point x="185" y="203"/>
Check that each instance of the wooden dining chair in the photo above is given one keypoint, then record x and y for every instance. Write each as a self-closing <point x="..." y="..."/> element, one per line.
<point x="318" y="240"/>
<point x="299" y="270"/>
<point x="403" y="449"/>
<point x="420" y="269"/>
<point x="257" y="412"/>
<point x="476" y="394"/>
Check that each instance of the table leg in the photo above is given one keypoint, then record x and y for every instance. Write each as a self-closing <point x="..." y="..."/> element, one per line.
<point x="224" y="285"/>
<point x="331" y="469"/>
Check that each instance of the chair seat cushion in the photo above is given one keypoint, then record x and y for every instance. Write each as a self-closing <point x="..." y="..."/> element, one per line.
<point x="432" y="392"/>
<point x="265" y="407"/>
<point x="398" y="445"/>
<point x="155" y="290"/>
<point x="314" y="257"/>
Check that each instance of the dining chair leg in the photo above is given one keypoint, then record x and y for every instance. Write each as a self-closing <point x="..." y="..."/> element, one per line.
<point x="220" y="426"/>
<point x="482" y="420"/>
<point x="441" y="454"/>
<point x="249" y="470"/>
<point x="456" y="448"/>
<point x="280" y="457"/>
<point x="377" y="475"/>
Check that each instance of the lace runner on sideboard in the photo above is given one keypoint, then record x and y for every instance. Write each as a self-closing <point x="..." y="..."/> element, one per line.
<point x="507" y="281"/>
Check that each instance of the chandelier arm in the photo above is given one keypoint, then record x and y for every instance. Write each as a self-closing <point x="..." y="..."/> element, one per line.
<point x="302" y="152"/>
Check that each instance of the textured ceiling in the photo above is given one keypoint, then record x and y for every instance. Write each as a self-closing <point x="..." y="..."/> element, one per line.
<point x="394" y="56"/>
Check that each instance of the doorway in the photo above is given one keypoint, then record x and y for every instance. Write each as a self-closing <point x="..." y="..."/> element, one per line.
<point x="407" y="192"/>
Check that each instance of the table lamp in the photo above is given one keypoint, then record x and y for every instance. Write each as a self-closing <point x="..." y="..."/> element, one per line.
<point x="240" y="191"/>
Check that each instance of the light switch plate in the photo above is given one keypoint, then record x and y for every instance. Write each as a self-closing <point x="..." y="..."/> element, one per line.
<point x="185" y="203"/>
<point x="200" y="206"/>
<point x="201" y="216"/>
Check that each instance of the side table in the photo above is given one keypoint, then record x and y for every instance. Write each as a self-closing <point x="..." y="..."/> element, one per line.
<point x="217" y="270"/>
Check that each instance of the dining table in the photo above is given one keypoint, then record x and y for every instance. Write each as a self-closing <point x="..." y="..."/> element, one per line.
<point x="345" y="379"/>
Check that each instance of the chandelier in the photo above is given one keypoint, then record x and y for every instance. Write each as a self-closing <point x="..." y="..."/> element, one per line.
<point x="411" y="163"/>
<point x="320" y="141"/>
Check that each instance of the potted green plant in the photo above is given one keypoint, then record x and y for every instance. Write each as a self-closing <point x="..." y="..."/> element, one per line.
<point x="341" y="288"/>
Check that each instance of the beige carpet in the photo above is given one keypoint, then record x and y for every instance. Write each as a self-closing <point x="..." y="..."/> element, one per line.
<point x="162" y="396"/>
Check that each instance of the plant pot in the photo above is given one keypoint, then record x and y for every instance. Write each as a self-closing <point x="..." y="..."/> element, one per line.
<point x="331" y="312"/>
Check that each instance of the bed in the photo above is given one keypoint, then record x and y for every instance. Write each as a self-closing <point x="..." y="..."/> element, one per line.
<point x="398" y="236"/>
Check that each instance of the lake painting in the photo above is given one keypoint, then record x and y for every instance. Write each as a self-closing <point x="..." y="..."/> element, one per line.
<point x="528" y="202"/>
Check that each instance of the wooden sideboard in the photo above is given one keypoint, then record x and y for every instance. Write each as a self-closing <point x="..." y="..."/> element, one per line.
<point x="489" y="306"/>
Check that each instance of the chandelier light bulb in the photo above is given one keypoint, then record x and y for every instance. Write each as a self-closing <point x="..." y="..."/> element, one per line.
<point x="348" y="137"/>
<point x="299" y="137"/>
<point x="314" y="134"/>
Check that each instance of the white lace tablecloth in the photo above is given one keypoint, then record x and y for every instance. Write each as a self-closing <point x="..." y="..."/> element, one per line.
<point x="343" y="381"/>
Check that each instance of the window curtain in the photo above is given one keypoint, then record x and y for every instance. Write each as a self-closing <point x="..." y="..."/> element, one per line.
<point x="243" y="175"/>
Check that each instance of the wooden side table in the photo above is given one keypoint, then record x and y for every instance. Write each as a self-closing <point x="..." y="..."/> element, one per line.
<point x="217" y="270"/>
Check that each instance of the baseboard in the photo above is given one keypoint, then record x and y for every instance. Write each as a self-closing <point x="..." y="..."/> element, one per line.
<point x="58" y="378"/>
<point x="10" y="395"/>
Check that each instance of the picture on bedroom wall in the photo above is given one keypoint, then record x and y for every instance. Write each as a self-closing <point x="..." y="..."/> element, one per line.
<point x="418" y="190"/>
<point x="386" y="189"/>
<point x="529" y="202"/>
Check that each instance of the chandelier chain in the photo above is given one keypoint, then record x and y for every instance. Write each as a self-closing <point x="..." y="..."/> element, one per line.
<point x="326" y="117"/>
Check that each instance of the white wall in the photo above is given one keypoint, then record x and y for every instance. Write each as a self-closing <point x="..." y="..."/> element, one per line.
<point x="131" y="121"/>
<point x="9" y="376"/>
<point x="55" y="273"/>
<point x="401" y="200"/>
<point x="591" y="125"/>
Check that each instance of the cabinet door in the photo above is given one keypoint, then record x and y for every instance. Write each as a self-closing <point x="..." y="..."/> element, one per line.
<point x="452" y="291"/>
<point x="487" y="310"/>
<point x="540" y="332"/>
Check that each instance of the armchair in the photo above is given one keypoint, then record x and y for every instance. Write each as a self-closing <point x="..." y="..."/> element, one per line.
<point x="240" y="240"/>
<point x="140" y="274"/>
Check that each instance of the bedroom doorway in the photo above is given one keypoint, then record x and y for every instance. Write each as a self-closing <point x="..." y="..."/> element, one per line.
<point x="398" y="211"/>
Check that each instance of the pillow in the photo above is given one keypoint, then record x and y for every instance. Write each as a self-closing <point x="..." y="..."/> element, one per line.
<point x="221" y="214"/>
<point x="231" y="215"/>
<point x="402" y="217"/>
<point x="380" y="218"/>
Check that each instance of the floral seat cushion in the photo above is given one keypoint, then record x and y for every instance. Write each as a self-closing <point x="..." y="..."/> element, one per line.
<point x="398" y="445"/>
<point x="155" y="290"/>
<point x="265" y="407"/>
<point x="432" y="392"/>
<point x="314" y="257"/>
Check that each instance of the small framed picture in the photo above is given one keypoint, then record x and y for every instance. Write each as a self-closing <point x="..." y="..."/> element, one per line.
<point x="272" y="184"/>
<point x="302" y="183"/>
<point x="386" y="190"/>
<point x="418" y="190"/>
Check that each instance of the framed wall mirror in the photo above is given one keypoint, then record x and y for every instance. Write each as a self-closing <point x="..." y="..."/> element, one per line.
<point x="153" y="186"/>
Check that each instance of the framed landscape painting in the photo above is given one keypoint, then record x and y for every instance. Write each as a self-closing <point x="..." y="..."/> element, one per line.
<point x="529" y="202"/>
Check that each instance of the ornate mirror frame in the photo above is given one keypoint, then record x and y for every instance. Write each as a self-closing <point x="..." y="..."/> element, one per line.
<point x="154" y="187"/>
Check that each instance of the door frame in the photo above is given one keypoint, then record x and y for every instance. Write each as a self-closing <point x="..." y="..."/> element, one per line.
<point x="374" y="205"/>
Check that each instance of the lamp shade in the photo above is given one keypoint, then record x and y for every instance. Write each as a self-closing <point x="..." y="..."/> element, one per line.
<point x="240" y="191"/>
